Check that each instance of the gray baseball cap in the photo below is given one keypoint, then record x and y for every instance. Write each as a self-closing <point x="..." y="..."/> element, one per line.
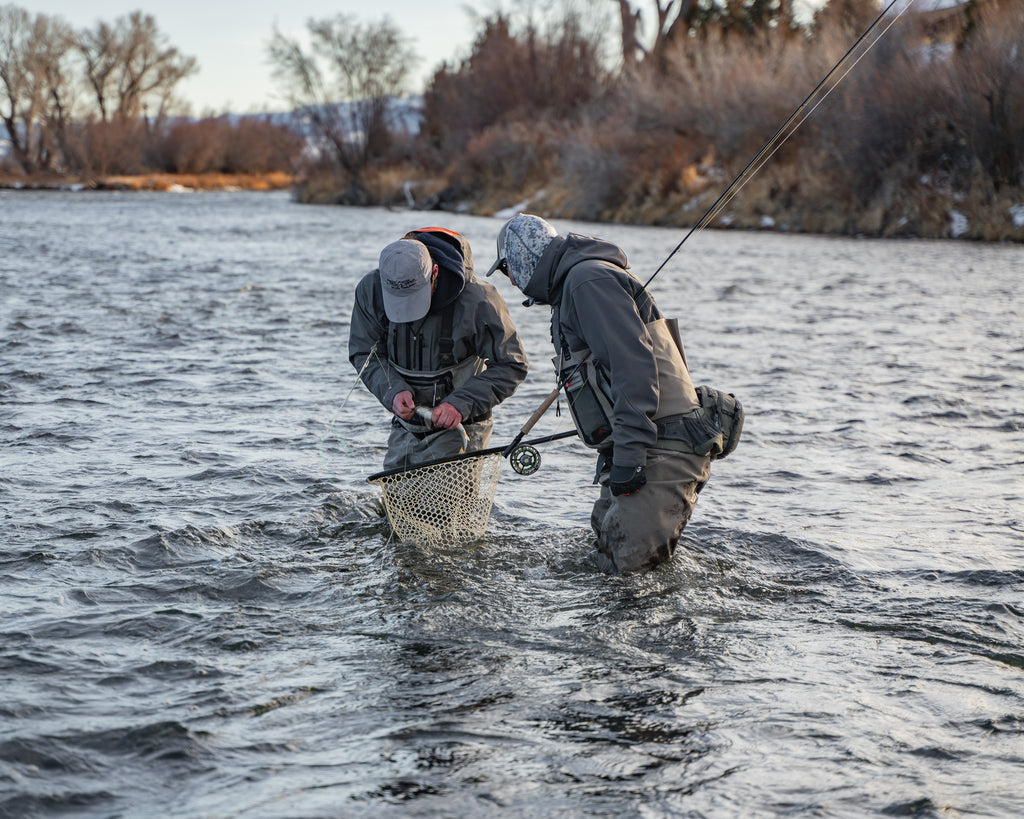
<point x="405" y="273"/>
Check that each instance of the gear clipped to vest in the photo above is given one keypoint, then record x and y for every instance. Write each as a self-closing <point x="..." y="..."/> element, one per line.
<point x="726" y="409"/>
<point x="713" y="429"/>
<point x="525" y="460"/>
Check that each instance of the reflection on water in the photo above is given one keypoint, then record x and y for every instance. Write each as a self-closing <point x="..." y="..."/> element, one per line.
<point x="199" y="621"/>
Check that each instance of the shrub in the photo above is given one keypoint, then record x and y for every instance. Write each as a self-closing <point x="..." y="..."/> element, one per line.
<point x="108" y="148"/>
<point x="513" y="75"/>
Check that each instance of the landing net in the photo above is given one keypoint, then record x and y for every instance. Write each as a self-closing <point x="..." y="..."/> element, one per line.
<point x="442" y="503"/>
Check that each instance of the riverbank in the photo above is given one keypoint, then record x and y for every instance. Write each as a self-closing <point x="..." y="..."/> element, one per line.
<point x="784" y="198"/>
<point x="908" y="210"/>
<point x="152" y="182"/>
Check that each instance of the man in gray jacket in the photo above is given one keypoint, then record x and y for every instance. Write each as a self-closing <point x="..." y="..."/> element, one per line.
<point x="426" y="333"/>
<point x="626" y="382"/>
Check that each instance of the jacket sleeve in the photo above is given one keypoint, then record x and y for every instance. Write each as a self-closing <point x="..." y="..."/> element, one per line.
<point x="497" y="342"/>
<point x="366" y="342"/>
<point x="606" y="318"/>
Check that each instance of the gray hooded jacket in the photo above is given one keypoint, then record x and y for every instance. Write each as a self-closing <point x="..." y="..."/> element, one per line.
<point x="481" y="327"/>
<point x="597" y="304"/>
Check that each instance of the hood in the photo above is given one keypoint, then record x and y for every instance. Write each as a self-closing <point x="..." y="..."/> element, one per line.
<point x="454" y="260"/>
<point x="563" y="254"/>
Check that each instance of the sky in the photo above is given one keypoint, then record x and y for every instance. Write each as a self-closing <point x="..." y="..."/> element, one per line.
<point x="228" y="38"/>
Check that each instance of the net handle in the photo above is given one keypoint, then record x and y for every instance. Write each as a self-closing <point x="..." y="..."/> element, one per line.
<point x="474" y="454"/>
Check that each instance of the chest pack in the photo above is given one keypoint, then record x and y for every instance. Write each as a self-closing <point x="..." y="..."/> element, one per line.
<point x="426" y="355"/>
<point x="587" y="387"/>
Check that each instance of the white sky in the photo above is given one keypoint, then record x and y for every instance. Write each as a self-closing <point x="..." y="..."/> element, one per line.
<point x="228" y="37"/>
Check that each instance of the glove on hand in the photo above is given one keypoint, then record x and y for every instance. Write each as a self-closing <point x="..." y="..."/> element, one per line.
<point x="625" y="480"/>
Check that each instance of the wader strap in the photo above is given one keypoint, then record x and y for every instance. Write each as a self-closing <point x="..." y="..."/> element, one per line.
<point x="402" y="333"/>
<point x="446" y="344"/>
<point x="563" y="345"/>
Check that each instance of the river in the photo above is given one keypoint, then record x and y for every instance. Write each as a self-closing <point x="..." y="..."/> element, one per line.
<point x="198" y="621"/>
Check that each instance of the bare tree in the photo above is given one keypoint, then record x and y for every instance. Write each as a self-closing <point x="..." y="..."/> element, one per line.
<point x="631" y="45"/>
<point x="672" y="19"/>
<point x="531" y="70"/>
<point x="677" y="20"/>
<point x="345" y="83"/>
<point x="35" y="86"/>
<point x="59" y="81"/>
<point x="129" y="64"/>
<point x="101" y="55"/>
<point x="151" y="69"/>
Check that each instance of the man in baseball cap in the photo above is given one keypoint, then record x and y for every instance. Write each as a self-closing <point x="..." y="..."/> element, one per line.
<point x="426" y="333"/>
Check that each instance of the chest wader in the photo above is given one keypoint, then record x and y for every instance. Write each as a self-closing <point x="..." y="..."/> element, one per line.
<point x="425" y="358"/>
<point x="415" y="442"/>
<point x="431" y="387"/>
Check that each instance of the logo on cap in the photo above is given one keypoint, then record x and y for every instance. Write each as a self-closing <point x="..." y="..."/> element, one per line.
<point x="403" y="284"/>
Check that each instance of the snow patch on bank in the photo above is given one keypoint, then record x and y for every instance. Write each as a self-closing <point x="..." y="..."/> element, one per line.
<point x="520" y="207"/>
<point x="958" y="224"/>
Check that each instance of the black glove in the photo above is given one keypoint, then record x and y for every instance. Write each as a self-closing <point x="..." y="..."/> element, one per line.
<point x="625" y="480"/>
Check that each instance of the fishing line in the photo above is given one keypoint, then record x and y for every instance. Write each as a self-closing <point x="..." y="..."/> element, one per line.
<point x="329" y="432"/>
<point x="780" y="136"/>
<point x="359" y="376"/>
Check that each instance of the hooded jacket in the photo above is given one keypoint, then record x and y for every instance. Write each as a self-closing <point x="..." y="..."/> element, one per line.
<point x="481" y="328"/>
<point x="597" y="304"/>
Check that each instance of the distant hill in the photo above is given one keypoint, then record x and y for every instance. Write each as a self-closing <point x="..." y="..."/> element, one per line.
<point x="406" y="111"/>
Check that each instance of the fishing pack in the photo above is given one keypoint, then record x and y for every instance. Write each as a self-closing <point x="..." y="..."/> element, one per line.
<point x="712" y="429"/>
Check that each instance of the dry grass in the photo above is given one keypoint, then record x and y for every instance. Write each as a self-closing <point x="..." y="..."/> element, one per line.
<point x="405" y="184"/>
<point x="899" y="150"/>
<point x="275" y="180"/>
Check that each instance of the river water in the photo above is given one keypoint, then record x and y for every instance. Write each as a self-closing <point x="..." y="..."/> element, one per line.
<point x="199" y="622"/>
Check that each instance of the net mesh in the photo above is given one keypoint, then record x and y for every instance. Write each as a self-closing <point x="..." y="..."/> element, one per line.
<point x="444" y="503"/>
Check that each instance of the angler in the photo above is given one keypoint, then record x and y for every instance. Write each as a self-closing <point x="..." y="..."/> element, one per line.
<point x="624" y="369"/>
<point x="426" y="332"/>
<point x="629" y="391"/>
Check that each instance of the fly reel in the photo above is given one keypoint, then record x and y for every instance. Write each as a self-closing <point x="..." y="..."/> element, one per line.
<point x="525" y="460"/>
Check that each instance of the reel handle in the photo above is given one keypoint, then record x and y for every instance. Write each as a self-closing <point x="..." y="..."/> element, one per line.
<point x="540" y="411"/>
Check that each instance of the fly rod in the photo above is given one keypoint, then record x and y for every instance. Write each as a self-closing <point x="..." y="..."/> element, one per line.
<point x="781" y="135"/>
